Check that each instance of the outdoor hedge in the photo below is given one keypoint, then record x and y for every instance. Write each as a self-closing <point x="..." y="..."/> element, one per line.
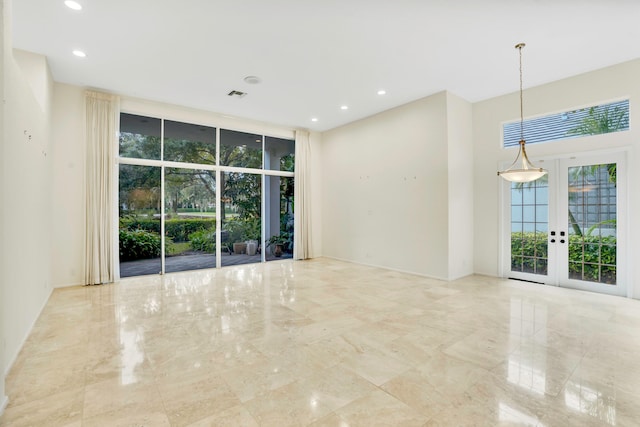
<point x="590" y="250"/>
<point x="139" y="244"/>
<point x="203" y="240"/>
<point x="177" y="229"/>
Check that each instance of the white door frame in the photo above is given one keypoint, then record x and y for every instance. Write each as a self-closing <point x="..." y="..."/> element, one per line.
<point x="558" y="269"/>
<point x="621" y="223"/>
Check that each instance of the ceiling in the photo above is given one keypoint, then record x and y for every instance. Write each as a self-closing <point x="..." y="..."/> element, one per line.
<point x="315" y="56"/>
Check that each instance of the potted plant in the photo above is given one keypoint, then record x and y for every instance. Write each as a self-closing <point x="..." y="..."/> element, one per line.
<point x="236" y="230"/>
<point x="278" y="242"/>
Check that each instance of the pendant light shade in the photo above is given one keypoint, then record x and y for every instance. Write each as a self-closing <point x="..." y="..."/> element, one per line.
<point x="521" y="170"/>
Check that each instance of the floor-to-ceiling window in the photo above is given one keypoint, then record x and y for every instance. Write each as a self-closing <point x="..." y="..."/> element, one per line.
<point x="140" y="195"/>
<point x="279" y="156"/>
<point x="241" y="156"/>
<point x="212" y="197"/>
<point x="139" y="222"/>
<point x="190" y="219"/>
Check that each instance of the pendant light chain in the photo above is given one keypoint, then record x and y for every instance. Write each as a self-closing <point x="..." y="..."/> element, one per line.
<point x="520" y="46"/>
<point x="521" y="170"/>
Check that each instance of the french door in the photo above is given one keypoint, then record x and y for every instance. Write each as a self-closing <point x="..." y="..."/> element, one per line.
<point x="569" y="228"/>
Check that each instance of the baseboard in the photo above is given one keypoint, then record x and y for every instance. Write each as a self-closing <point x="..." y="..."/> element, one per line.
<point x="3" y="404"/>
<point x="69" y="285"/>
<point x="462" y="276"/>
<point x="413" y="273"/>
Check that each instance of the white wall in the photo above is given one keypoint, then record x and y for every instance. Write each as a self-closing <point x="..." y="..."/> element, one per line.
<point x="35" y="71"/>
<point x="3" y="17"/>
<point x="26" y="199"/>
<point x="460" y="174"/>
<point x="317" y="172"/>
<point x="385" y="189"/>
<point x="68" y="156"/>
<point x="619" y="81"/>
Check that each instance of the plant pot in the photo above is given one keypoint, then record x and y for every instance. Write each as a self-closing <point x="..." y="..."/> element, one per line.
<point x="239" y="248"/>
<point x="277" y="251"/>
<point x="252" y="248"/>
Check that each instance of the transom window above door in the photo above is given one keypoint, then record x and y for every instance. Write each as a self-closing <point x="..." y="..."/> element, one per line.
<point x="592" y="120"/>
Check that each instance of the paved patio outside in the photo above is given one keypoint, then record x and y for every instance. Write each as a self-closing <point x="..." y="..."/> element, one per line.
<point x="189" y="261"/>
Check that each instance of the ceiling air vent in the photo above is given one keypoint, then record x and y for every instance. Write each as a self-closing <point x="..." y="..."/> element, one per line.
<point x="237" y="93"/>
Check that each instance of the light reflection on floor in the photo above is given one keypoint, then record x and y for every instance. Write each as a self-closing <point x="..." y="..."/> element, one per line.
<point x="327" y="343"/>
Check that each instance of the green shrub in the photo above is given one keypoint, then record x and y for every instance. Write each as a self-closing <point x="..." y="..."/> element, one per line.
<point x="139" y="244"/>
<point x="529" y="244"/>
<point x="241" y="230"/>
<point x="137" y="223"/>
<point x="178" y="229"/>
<point x="587" y="252"/>
<point x="584" y="252"/>
<point x="203" y="240"/>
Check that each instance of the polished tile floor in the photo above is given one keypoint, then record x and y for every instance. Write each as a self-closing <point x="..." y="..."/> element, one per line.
<point x="327" y="343"/>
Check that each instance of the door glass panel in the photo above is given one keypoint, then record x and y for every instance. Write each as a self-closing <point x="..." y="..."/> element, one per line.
<point x="190" y="219"/>
<point x="592" y="223"/>
<point x="189" y="143"/>
<point x="241" y="206"/>
<point x="139" y="221"/>
<point x="279" y="217"/>
<point x="529" y="226"/>
<point x="240" y="149"/>
<point x="279" y="154"/>
<point x="139" y="137"/>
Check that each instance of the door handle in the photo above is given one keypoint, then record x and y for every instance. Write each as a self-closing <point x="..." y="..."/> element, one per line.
<point x="553" y="240"/>
<point x="561" y="240"/>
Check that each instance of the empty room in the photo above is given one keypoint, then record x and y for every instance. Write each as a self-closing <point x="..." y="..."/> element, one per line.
<point x="286" y="213"/>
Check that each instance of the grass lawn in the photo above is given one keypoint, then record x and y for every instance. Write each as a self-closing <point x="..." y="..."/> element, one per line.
<point x="198" y="214"/>
<point x="179" y="247"/>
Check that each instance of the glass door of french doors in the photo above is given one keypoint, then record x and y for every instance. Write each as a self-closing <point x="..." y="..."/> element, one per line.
<point x="568" y="228"/>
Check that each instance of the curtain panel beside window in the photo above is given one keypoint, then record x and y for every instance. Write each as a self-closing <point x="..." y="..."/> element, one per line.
<point x="302" y="242"/>
<point x="102" y="116"/>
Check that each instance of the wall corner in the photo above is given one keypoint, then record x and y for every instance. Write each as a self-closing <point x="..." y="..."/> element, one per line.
<point x="460" y="157"/>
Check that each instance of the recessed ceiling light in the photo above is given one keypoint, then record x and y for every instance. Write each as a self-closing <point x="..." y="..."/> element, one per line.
<point x="382" y="92"/>
<point x="344" y="107"/>
<point x="79" y="53"/>
<point x="252" y="80"/>
<point x="314" y="119"/>
<point x="73" y="5"/>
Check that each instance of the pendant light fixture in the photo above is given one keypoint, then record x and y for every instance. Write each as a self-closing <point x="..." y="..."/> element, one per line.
<point x="521" y="170"/>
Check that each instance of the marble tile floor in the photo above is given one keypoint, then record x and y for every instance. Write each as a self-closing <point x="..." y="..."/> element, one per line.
<point x="327" y="343"/>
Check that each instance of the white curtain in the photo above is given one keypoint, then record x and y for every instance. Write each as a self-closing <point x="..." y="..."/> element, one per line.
<point x="302" y="243"/>
<point x="102" y="117"/>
